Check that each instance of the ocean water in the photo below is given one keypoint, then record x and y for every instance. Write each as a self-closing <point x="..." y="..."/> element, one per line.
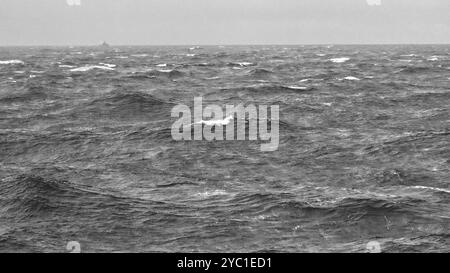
<point x="86" y="152"/>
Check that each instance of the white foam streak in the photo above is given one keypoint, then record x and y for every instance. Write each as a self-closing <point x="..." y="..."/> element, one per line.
<point x="340" y="60"/>
<point x="351" y="78"/>
<point x="223" y="122"/>
<point x="90" y="67"/>
<point x="12" y="62"/>
<point x="297" y="87"/>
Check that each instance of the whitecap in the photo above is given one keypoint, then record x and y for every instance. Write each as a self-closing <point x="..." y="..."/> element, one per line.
<point x="431" y="188"/>
<point x="139" y="55"/>
<point x="90" y="67"/>
<point x="161" y="65"/>
<point x="108" y="65"/>
<point x="190" y="55"/>
<point x="350" y="78"/>
<point x="433" y="59"/>
<point x="12" y="62"/>
<point x="304" y="80"/>
<point x="212" y="193"/>
<point x="244" y="64"/>
<point x="340" y="60"/>
<point x="297" y="87"/>
<point x="220" y="122"/>
<point x="165" y="70"/>
<point x="66" y="66"/>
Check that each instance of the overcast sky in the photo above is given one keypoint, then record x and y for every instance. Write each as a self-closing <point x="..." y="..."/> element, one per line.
<point x="159" y="22"/>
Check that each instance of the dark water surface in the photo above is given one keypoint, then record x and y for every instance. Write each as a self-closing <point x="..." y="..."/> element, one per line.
<point x="86" y="153"/>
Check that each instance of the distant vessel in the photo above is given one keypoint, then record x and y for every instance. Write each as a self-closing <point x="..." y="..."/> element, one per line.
<point x="105" y="44"/>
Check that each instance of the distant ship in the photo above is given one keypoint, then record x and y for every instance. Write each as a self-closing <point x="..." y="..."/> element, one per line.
<point x="104" y="44"/>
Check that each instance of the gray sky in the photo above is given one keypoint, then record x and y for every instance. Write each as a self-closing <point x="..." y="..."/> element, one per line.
<point x="148" y="22"/>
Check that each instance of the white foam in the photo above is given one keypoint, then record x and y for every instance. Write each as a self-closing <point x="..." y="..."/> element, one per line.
<point x="12" y="62"/>
<point x="431" y="188"/>
<point x="340" y="60"/>
<point x="165" y="70"/>
<point x="212" y="193"/>
<point x="139" y="55"/>
<point x="433" y="59"/>
<point x="245" y="64"/>
<point x="350" y="78"/>
<point x="297" y="87"/>
<point x="90" y="67"/>
<point x="108" y="65"/>
<point x="161" y="65"/>
<point x="66" y="66"/>
<point x="190" y="55"/>
<point x="304" y="80"/>
<point x="220" y="122"/>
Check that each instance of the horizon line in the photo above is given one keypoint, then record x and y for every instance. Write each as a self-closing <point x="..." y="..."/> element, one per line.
<point x="255" y="44"/>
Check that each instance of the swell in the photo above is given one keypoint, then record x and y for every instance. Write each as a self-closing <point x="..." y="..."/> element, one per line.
<point x="26" y="196"/>
<point x="126" y="105"/>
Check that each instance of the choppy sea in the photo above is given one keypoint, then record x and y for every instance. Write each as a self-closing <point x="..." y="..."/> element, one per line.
<point x="86" y="152"/>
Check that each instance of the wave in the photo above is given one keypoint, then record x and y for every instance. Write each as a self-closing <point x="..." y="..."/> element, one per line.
<point x="340" y="60"/>
<point x="32" y="195"/>
<point x="241" y="64"/>
<point x="26" y="196"/>
<point x="221" y="122"/>
<point x="156" y="74"/>
<point x="432" y="189"/>
<point x="92" y="67"/>
<point x="433" y="59"/>
<point x="418" y="69"/>
<point x="32" y="93"/>
<point x="108" y="65"/>
<point x="12" y="62"/>
<point x="294" y="87"/>
<point x="170" y="73"/>
<point x="268" y="88"/>
<point x="195" y="48"/>
<point x="351" y="78"/>
<point x="126" y="106"/>
<point x="260" y="72"/>
<point x="127" y="98"/>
